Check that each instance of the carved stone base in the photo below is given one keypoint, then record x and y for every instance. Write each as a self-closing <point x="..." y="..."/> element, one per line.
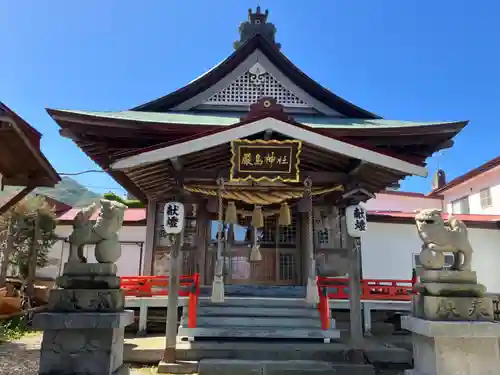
<point x="88" y="282"/>
<point x="82" y="343"/>
<point x="453" y="308"/>
<point x="447" y="276"/>
<point x="79" y="300"/>
<point x="451" y="348"/>
<point x="451" y="289"/>
<point x="90" y="269"/>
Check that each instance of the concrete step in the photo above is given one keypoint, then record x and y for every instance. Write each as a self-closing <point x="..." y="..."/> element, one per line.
<point x="245" y="333"/>
<point x="249" y="321"/>
<point x="258" y="302"/>
<point x="248" y="367"/>
<point x="215" y="310"/>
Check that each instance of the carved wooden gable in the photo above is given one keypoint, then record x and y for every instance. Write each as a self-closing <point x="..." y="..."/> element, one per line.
<point x="254" y="84"/>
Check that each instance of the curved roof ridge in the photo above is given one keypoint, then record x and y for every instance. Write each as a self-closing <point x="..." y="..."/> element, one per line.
<point x="225" y="67"/>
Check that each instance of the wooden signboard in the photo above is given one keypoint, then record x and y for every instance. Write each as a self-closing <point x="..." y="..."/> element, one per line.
<point x="262" y="160"/>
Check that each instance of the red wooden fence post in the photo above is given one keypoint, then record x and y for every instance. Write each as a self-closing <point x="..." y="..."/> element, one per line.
<point x="193" y="302"/>
<point x="325" y="309"/>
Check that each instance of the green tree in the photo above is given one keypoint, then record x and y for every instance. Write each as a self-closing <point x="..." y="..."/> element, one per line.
<point x="27" y="230"/>
<point x="130" y="203"/>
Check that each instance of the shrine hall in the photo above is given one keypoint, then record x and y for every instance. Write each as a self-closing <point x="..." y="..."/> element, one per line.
<point x="266" y="162"/>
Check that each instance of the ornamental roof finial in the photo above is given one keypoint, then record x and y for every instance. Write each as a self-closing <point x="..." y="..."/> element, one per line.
<point x="256" y="24"/>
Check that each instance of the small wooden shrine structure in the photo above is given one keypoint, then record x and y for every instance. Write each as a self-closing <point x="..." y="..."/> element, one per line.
<point x="283" y="153"/>
<point x="21" y="161"/>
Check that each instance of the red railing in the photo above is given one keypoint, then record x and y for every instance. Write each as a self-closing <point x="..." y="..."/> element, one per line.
<point x="149" y="286"/>
<point x="328" y="288"/>
<point x="371" y="290"/>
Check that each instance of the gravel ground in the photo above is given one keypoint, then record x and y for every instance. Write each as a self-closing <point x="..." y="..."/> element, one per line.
<point x="20" y="357"/>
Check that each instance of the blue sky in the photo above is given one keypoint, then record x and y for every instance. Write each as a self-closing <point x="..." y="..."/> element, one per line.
<point x="411" y="60"/>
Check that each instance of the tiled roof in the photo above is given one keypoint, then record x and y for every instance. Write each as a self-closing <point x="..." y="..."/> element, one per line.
<point x="225" y="119"/>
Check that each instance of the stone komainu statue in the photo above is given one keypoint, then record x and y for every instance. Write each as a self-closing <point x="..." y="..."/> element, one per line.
<point x="102" y="233"/>
<point x="445" y="236"/>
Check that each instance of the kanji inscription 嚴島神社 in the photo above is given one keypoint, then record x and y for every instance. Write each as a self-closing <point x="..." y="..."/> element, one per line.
<point x="265" y="160"/>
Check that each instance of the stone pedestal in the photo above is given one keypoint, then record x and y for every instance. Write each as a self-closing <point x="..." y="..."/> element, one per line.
<point x="448" y="295"/>
<point x="454" y="348"/>
<point x="84" y="326"/>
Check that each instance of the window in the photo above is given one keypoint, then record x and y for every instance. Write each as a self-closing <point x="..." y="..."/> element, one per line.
<point x="485" y="197"/>
<point x="460" y="206"/>
<point x="448" y="260"/>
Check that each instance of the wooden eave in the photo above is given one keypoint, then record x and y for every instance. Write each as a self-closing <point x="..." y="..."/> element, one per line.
<point x="414" y="143"/>
<point x="203" y="158"/>
<point x="21" y="161"/>
<point x="278" y="59"/>
<point x="160" y="180"/>
<point x="106" y="140"/>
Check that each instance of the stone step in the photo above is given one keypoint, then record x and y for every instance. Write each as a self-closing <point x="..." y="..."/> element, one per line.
<point x="258" y="302"/>
<point x="245" y="333"/>
<point x="256" y="311"/>
<point x="262" y="350"/>
<point x="249" y="367"/>
<point x="269" y="291"/>
<point x="249" y="321"/>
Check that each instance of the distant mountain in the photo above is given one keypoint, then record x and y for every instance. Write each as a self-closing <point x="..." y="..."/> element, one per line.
<point x="67" y="191"/>
<point x="70" y="192"/>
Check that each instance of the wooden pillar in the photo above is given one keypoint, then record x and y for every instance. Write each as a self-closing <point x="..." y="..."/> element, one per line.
<point x="147" y="265"/>
<point x="173" y="299"/>
<point x="218" y="282"/>
<point x="304" y="260"/>
<point x="311" y="287"/>
<point x="202" y="222"/>
<point x="355" y="314"/>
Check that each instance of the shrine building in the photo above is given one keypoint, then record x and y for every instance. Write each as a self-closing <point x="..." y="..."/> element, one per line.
<point x="265" y="160"/>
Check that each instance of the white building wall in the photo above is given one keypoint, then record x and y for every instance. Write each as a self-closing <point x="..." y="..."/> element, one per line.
<point x="128" y="264"/>
<point x="402" y="203"/>
<point x="471" y="189"/>
<point x="388" y="249"/>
